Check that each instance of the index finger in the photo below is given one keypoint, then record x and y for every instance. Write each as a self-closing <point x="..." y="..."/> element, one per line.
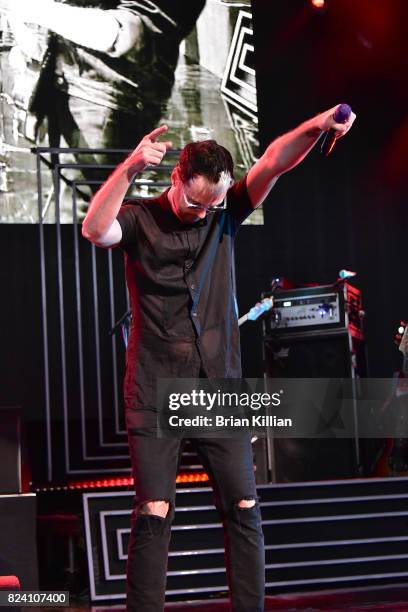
<point x="157" y="132"/>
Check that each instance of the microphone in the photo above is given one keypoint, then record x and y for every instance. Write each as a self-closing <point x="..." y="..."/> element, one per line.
<point x="341" y="114"/>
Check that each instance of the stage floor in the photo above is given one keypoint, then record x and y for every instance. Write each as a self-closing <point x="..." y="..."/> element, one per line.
<point x="390" y="597"/>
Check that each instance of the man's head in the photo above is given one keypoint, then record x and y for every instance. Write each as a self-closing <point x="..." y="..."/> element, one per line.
<point x="200" y="180"/>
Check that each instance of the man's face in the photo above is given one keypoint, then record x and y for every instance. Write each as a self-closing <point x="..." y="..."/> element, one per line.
<point x="198" y="197"/>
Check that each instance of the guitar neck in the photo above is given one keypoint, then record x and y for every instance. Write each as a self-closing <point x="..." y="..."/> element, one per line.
<point x="242" y="320"/>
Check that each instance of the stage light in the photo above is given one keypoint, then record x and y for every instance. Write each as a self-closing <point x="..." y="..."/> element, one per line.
<point x="318" y="3"/>
<point x="107" y="483"/>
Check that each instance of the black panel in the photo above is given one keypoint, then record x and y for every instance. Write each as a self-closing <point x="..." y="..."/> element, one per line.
<point x="18" y="549"/>
<point x="10" y="451"/>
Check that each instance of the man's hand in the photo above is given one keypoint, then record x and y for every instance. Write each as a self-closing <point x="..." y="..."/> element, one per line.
<point x="288" y="150"/>
<point x="326" y="122"/>
<point x="148" y="151"/>
<point x="100" y="225"/>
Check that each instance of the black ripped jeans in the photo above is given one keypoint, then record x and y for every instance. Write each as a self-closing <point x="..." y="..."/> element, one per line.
<point x="229" y="464"/>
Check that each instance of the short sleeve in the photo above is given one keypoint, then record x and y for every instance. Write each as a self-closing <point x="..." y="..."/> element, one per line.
<point x="239" y="205"/>
<point x="127" y="219"/>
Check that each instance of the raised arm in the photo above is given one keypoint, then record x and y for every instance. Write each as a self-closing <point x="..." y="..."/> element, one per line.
<point x="100" y="225"/>
<point x="108" y="31"/>
<point x="288" y="150"/>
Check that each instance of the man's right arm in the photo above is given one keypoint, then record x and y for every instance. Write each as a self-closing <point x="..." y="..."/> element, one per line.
<point x="100" y="225"/>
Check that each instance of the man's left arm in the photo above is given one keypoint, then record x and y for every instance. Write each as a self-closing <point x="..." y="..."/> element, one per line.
<point x="287" y="151"/>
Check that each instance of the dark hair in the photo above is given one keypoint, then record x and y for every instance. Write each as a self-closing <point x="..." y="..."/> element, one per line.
<point x="205" y="157"/>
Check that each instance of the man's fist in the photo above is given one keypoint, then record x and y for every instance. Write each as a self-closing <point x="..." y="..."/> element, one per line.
<point x="327" y="122"/>
<point x="148" y="151"/>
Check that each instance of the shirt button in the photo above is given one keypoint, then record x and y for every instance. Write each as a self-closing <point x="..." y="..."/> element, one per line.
<point x="195" y="314"/>
<point x="192" y="286"/>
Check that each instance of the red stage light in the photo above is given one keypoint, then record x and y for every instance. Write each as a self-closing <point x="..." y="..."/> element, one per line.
<point x="195" y="477"/>
<point x="128" y="482"/>
<point x="317" y="3"/>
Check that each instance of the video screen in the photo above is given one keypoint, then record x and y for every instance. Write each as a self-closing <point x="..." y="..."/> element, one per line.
<point x="187" y="64"/>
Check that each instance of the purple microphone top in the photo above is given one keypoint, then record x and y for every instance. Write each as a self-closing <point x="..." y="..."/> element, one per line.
<point x="342" y="113"/>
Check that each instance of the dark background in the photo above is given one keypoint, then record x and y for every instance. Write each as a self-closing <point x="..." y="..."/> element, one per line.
<point x="351" y="209"/>
<point x="347" y="211"/>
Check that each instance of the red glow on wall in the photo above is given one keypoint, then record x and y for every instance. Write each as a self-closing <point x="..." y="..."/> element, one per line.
<point x="392" y="163"/>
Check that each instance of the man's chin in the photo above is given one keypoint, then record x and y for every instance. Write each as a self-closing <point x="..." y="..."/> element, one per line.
<point x="190" y="218"/>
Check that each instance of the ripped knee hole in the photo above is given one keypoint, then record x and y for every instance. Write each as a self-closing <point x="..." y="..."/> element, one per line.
<point x="246" y="503"/>
<point x="157" y="508"/>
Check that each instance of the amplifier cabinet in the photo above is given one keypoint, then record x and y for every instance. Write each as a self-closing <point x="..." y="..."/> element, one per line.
<point x="322" y="308"/>
<point x="315" y="333"/>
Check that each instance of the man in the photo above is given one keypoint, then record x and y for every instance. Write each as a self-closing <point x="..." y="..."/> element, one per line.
<point x="178" y="267"/>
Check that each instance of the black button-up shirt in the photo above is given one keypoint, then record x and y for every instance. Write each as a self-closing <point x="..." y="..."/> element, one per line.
<point x="180" y="283"/>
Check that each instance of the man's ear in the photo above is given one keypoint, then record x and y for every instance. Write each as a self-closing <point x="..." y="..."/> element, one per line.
<point x="175" y="174"/>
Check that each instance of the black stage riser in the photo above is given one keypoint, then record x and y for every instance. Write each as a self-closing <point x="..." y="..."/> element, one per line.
<point x="337" y="534"/>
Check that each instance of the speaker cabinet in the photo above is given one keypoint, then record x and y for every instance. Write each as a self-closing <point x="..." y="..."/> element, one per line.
<point x="333" y="354"/>
<point x="312" y="355"/>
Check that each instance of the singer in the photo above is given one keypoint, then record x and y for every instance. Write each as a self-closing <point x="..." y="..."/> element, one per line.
<point x="178" y="251"/>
